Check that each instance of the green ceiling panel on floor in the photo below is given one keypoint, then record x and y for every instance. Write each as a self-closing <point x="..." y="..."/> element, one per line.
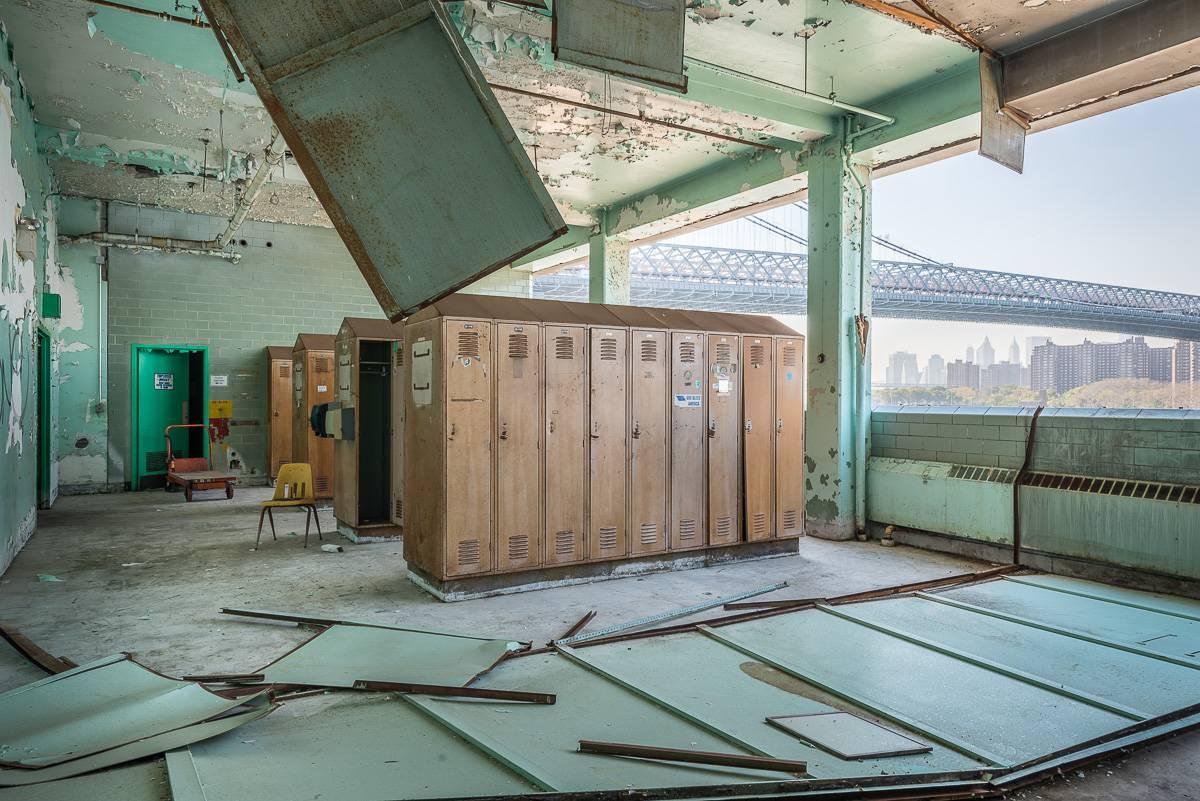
<point x="542" y="740"/>
<point x="139" y="781"/>
<point x="693" y="673"/>
<point x="942" y="696"/>
<point x="341" y="655"/>
<point x="362" y="747"/>
<point x="1150" y="601"/>
<point x="1155" y="632"/>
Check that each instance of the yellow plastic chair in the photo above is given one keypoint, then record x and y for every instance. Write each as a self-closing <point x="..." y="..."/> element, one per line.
<point x="293" y="487"/>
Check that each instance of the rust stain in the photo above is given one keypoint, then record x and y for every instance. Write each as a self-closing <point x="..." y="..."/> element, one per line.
<point x="776" y="678"/>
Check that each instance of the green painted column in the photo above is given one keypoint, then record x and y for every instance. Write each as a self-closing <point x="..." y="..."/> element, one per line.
<point x="839" y="307"/>
<point x="608" y="267"/>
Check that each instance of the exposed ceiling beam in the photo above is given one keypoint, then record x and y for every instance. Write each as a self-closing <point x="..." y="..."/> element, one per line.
<point x="903" y="15"/>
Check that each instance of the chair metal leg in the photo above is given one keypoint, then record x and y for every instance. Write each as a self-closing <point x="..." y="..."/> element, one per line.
<point x="258" y="538"/>
<point x="271" y="518"/>
<point x="306" y="524"/>
<point x="318" y="523"/>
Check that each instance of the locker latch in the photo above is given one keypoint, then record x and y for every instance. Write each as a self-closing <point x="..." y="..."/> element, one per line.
<point x="712" y="428"/>
<point x="637" y="430"/>
<point x="504" y="431"/>
<point x="779" y="425"/>
<point x="596" y="430"/>
<point x="749" y="426"/>
<point x="453" y="430"/>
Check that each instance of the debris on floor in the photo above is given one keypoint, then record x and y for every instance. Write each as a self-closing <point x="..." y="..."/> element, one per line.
<point x="959" y="687"/>
<point x="330" y="548"/>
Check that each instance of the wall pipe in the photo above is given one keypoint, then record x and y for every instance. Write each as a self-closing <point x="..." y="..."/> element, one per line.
<point x="191" y="247"/>
<point x="274" y="156"/>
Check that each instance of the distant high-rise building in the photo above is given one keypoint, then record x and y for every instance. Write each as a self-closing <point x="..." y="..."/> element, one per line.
<point x="935" y="371"/>
<point x="1014" y="352"/>
<point x="970" y="354"/>
<point x="1004" y="374"/>
<point x="1031" y="343"/>
<point x="902" y="369"/>
<point x="1185" y="374"/>
<point x="962" y="374"/>
<point x="1059" y="368"/>
<point x="986" y="354"/>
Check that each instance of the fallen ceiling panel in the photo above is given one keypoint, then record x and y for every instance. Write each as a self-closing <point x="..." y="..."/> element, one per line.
<point x="638" y="38"/>
<point x="143" y="781"/>
<point x="400" y="136"/>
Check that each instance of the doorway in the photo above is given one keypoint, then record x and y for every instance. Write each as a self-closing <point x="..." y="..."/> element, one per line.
<point x="44" y="455"/>
<point x="169" y="386"/>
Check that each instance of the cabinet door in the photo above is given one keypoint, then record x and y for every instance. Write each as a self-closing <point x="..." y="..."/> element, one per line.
<point x="607" y="456"/>
<point x="648" y="487"/>
<point x="565" y="351"/>
<point x="518" y="447"/>
<point x="467" y="346"/>
<point x="758" y="436"/>
<point x="320" y="449"/>
<point x="399" y="385"/>
<point x="789" y="436"/>
<point x="687" y="440"/>
<point x="280" y="390"/>
<point x="724" y="439"/>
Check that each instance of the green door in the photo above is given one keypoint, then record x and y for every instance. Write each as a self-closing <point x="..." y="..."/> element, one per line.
<point x="43" y="418"/>
<point x="162" y="400"/>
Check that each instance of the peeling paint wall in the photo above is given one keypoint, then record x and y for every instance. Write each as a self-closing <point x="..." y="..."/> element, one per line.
<point x="24" y="191"/>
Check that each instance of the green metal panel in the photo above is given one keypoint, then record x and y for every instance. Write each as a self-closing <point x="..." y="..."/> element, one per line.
<point x="169" y="386"/>
<point x="921" y="495"/>
<point x="418" y="167"/>
<point x="45" y="411"/>
<point x="642" y="40"/>
<point x="141" y="781"/>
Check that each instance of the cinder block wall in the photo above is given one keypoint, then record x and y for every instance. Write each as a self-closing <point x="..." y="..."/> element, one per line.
<point x="1145" y="444"/>
<point x="290" y="279"/>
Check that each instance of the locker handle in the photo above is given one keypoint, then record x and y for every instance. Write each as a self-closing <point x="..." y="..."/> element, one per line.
<point x="637" y="430"/>
<point x="453" y="430"/>
<point x="551" y="425"/>
<point x="504" y="431"/>
<point x="779" y="425"/>
<point x="712" y="428"/>
<point x="749" y="426"/>
<point x="596" y="430"/>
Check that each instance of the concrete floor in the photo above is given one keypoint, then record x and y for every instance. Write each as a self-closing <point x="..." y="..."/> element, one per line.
<point x="148" y="573"/>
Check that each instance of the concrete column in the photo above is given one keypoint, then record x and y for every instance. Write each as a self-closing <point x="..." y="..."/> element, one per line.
<point x="608" y="268"/>
<point x="839" y="307"/>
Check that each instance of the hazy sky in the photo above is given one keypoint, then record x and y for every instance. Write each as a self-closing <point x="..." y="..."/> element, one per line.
<point x="1114" y="199"/>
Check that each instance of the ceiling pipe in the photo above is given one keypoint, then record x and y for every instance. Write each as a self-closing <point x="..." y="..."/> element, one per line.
<point x="165" y="244"/>
<point x="274" y="156"/>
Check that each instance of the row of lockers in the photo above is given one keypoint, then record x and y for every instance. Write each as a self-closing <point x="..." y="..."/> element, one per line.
<point x="536" y="444"/>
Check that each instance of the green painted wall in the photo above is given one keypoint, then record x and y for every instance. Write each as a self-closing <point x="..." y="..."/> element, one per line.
<point x="24" y="193"/>
<point x="290" y="279"/>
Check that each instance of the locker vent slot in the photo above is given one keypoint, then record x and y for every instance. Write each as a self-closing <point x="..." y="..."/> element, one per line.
<point x="518" y="548"/>
<point x="789" y="355"/>
<point x="399" y="357"/>
<point x="564" y="347"/>
<point x="608" y="538"/>
<point x="608" y="350"/>
<point x="649" y="350"/>
<point x="789" y="519"/>
<point x="321" y="483"/>
<point x="564" y="542"/>
<point x="758" y="355"/>
<point x="687" y="530"/>
<point x="724" y="526"/>
<point x="399" y="512"/>
<point x="323" y="364"/>
<point x="468" y="344"/>
<point x="723" y="353"/>
<point x="468" y="552"/>
<point x="687" y="352"/>
<point x="156" y="461"/>
<point x="760" y="523"/>
<point x="649" y="533"/>
<point x="285" y="371"/>
<point x="518" y="346"/>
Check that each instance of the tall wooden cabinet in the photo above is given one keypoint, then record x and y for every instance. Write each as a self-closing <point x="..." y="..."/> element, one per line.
<point x="279" y="408"/>
<point x="312" y="383"/>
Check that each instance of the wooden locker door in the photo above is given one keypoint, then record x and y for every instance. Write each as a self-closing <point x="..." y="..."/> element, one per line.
<point x="687" y="441"/>
<point x="758" y="436"/>
<point x="345" y="452"/>
<point x="607" y="456"/>
<point x="789" y="436"/>
<point x="724" y="438"/>
<point x="648" y="442"/>
<point x="321" y="389"/>
<point x="399" y="382"/>
<point x="298" y="417"/>
<point x="518" y="447"/>
<point x="468" y="357"/>
<point x="565" y="350"/>
<point x="280" y="390"/>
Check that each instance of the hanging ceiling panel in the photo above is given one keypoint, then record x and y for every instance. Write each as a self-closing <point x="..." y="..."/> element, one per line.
<point x="639" y="38"/>
<point x="400" y="137"/>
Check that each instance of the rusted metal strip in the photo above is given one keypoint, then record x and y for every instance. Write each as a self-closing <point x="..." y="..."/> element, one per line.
<point x="950" y="26"/>
<point x="780" y="604"/>
<point x="228" y="678"/>
<point x="697" y="757"/>
<point x="579" y="624"/>
<point x="1018" y="481"/>
<point x="303" y="620"/>
<point x="32" y="651"/>
<point x="456" y="692"/>
<point x="195" y="22"/>
<point x="903" y="15"/>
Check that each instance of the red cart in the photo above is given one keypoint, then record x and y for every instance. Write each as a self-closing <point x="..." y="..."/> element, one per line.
<point x="195" y="473"/>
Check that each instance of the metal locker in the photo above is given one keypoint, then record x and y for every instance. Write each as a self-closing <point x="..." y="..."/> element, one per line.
<point x="468" y="353"/>
<point x="648" y="442"/>
<point x="724" y="438"/>
<point x="789" y="436"/>
<point x="758" y="436"/>
<point x="606" y="454"/>
<point x="566" y="466"/>
<point x="312" y="381"/>
<point x="687" y="440"/>
<point x="518" y="446"/>
<point x="279" y="423"/>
